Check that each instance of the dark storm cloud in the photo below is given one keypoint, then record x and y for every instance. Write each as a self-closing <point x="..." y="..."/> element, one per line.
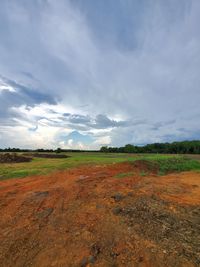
<point x="77" y="118"/>
<point x="85" y="122"/>
<point x="102" y="121"/>
<point x="158" y="125"/>
<point x="19" y="95"/>
<point x="26" y="95"/>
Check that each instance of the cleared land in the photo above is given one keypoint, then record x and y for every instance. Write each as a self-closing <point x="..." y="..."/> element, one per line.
<point x="101" y="210"/>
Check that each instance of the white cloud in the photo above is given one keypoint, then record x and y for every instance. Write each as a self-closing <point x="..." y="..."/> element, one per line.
<point x="70" y="142"/>
<point x="104" y="140"/>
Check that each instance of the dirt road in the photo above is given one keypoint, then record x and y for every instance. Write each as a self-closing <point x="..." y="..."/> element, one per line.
<point x="89" y="216"/>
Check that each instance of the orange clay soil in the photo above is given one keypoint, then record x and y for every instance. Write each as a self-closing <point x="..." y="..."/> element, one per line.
<point x="92" y="216"/>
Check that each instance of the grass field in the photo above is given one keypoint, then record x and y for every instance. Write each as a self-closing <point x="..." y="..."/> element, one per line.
<point x="165" y="163"/>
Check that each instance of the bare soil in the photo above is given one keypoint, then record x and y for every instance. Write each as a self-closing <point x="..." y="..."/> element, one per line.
<point x="146" y="166"/>
<point x="89" y="217"/>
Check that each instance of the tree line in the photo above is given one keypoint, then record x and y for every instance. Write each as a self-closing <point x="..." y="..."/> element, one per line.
<point x="184" y="147"/>
<point x="43" y="150"/>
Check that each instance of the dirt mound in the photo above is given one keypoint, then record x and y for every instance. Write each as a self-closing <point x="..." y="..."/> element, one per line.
<point x="146" y="166"/>
<point x="50" y="156"/>
<point x="13" y="158"/>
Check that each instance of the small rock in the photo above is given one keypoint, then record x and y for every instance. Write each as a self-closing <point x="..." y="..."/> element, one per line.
<point x="117" y="197"/>
<point x="99" y="206"/>
<point x="195" y="186"/>
<point x="95" y="249"/>
<point x="117" y="210"/>
<point x="84" y="262"/>
<point x="114" y="254"/>
<point x="42" y="194"/>
<point x="82" y="177"/>
<point x="130" y="194"/>
<point x="44" y="213"/>
<point x="140" y="259"/>
<point x="91" y="259"/>
<point x="77" y="233"/>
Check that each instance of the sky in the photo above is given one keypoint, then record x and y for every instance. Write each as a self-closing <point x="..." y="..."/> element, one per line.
<point x="83" y="74"/>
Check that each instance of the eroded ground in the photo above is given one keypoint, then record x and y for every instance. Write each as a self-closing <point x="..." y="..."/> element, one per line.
<point x="114" y="215"/>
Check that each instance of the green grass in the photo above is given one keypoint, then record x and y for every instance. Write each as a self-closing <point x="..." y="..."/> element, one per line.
<point x="166" y="163"/>
<point x="143" y="173"/>
<point x="45" y="166"/>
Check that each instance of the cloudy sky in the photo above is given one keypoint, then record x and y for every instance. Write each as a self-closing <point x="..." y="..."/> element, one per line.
<point x="85" y="73"/>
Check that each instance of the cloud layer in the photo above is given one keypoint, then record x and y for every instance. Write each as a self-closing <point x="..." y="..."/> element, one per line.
<point x="86" y="73"/>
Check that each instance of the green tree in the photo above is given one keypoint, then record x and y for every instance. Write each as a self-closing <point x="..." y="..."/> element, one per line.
<point x="104" y="149"/>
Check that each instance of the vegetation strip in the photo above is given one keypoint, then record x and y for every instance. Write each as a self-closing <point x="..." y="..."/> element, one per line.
<point x="153" y="163"/>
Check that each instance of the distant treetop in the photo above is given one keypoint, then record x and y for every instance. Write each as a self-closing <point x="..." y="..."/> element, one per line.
<point x="184" y="147"/>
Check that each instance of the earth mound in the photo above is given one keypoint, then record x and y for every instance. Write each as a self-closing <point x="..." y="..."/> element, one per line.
<point x="13" y="158"/>
<point x="46" y="155"/>
<point x="146" y="166"/>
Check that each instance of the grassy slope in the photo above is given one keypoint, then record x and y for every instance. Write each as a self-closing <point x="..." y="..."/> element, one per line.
<point x="166" y="163"/>
<point x="175" y="164"/>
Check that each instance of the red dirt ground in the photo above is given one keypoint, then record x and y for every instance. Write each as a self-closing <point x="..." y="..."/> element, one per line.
<point x="84" y="217"/>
